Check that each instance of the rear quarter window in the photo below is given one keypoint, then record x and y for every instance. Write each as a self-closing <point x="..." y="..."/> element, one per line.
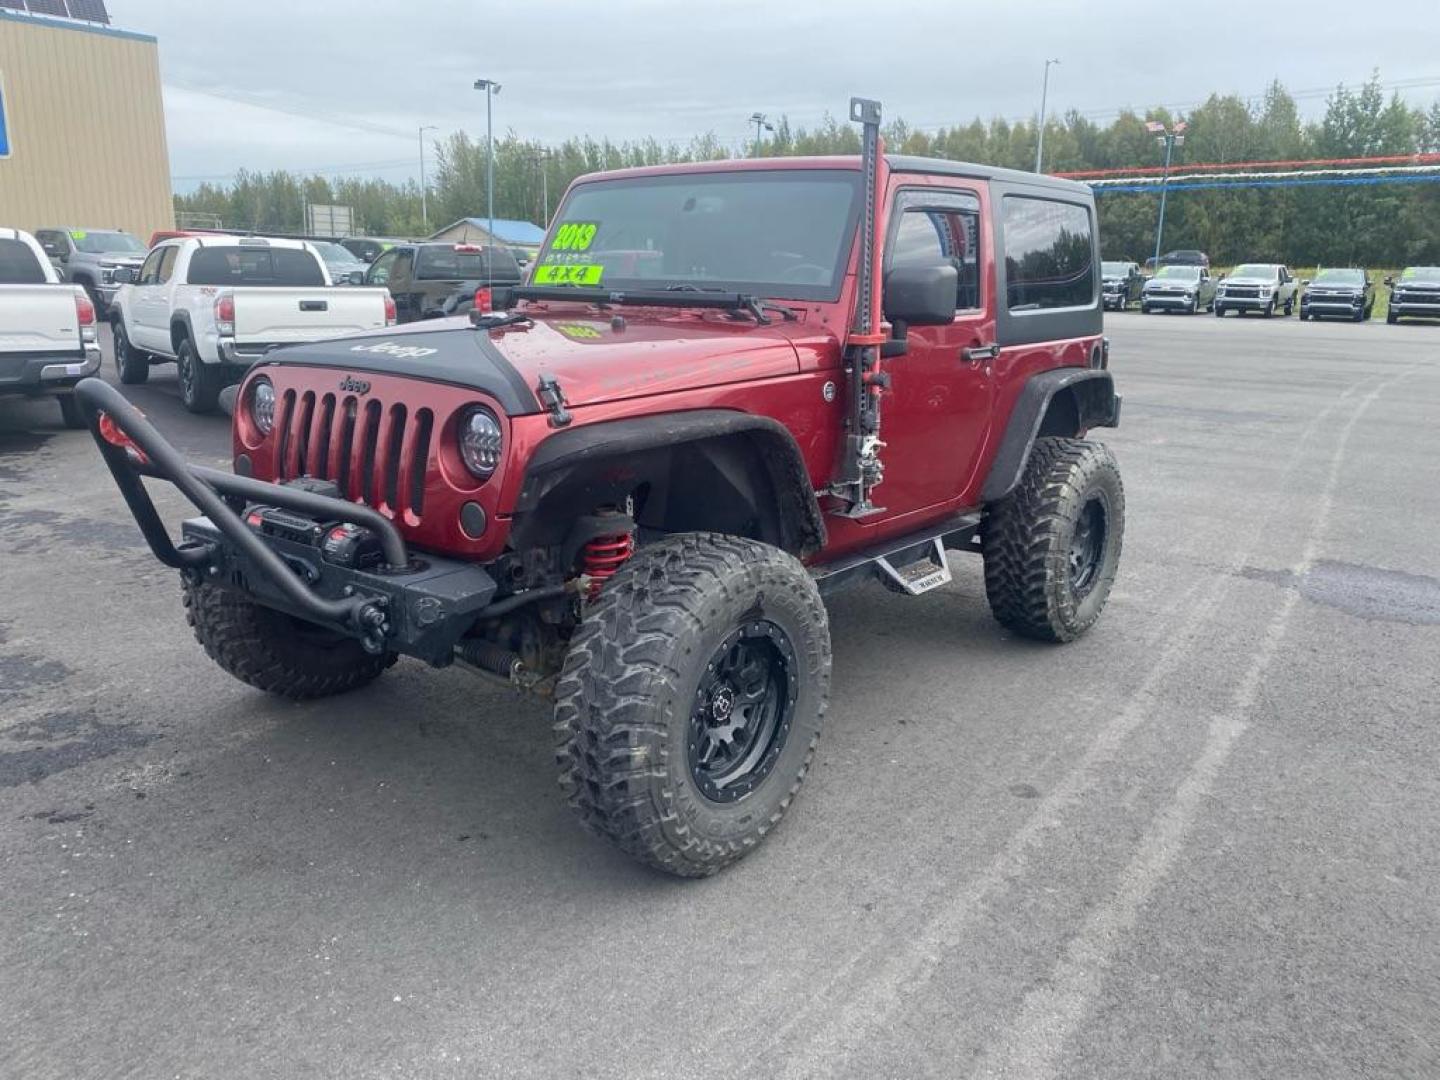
<point x="255" y="266"/>
<point x="1049" y="254"/>
<point x="19" y="266"/>
<point x="447" y="264"/>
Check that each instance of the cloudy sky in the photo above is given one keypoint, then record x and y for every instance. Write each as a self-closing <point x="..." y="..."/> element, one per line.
<point x="340" y="86"/>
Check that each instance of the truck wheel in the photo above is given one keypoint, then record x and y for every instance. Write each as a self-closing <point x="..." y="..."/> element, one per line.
<point x="131" y="364"/>
<point x="1052" y="546"/>
<point x="692" y="699"/>
<point x="200" y="384"/>
<point x="70" y="411"/>
<point x="1289" y="307"/>
<point x="1269" y="311"/>
<point x="275" y="652"/>
<point x="1391" y="317"/>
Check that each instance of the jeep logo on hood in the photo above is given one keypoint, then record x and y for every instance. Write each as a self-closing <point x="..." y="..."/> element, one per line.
<point x="395" y="349"/>
<point x="352" y="385"/>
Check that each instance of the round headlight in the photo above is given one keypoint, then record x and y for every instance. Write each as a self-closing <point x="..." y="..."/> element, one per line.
<point x="481" y="441"/>
<point x="262" y="405"/>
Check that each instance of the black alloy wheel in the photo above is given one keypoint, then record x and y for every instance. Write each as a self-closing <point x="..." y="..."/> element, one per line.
<point x="1087" y="546"/>
<point x="741" y="715"/>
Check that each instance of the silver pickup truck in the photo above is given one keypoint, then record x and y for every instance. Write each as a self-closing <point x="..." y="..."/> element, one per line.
<point x="47" y="328"/>
<point x="90" y="257"/>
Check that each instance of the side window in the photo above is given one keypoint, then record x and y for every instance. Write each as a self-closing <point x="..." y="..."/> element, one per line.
<point x="937" y="228"/>
<point x="53" y="241"/>
<point x="167" y="264"/>
<point x="380" y="269"/>
<point x="1048" y="254"/>
<point x="400" y="275"/>
<point x="150" y="271"/>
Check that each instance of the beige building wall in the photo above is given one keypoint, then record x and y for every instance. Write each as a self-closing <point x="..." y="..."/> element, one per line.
<point x="87" y="128"/>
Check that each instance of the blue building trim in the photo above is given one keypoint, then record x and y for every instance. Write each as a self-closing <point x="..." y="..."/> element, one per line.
<point x="7" y="15"/>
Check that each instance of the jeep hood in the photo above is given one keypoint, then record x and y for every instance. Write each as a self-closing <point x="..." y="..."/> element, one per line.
<point x="592" y="360"/>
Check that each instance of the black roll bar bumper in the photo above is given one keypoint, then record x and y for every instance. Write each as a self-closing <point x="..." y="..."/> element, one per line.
<point x="208" y="489"/>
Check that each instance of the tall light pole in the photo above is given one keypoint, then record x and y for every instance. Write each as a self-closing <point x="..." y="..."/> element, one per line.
<point x="491" y="88"/>
<point x="424" y="204"/>
<point x="1169" y="138"/>
<point x="761" y="121"/>
<point x="542" y="155"/>
<point x="1044" y="95"/>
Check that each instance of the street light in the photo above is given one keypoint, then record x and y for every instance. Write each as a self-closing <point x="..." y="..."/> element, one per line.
<point x="760" y="120"/>
<point x="491" y="88"/>
<point x="424" y="207"/>
<point x="542" y="155"/>
<point x="1169" y="138"/>
<point x="1044" y="94"/>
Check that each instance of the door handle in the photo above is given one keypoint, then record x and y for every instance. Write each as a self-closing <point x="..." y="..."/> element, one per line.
<point x="977" y="353"/>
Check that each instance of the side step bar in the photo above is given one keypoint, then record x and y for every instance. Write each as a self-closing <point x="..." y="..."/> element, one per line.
<point x="912" y="564"/>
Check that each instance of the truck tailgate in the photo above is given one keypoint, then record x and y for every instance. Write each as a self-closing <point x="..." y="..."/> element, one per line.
<point x="275" y="316"/>
<point x="38" y="319"/>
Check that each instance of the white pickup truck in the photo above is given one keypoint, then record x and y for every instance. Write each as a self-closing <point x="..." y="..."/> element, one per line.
<point x="47" y="328"/>
<point x="216" y="304"/>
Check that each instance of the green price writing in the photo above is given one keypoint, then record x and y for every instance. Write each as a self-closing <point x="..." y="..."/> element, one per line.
<point x="574" y="236"/>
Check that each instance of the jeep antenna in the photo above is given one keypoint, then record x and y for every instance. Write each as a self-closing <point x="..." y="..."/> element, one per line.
<point x="860" y="467"/>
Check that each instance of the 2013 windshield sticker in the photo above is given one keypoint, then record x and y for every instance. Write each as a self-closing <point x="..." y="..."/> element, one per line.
<point x="575" y="236"/>
<point x="548" y="273"/>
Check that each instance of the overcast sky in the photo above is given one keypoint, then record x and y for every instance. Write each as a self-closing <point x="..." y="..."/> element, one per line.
<point x="340" y="86"/>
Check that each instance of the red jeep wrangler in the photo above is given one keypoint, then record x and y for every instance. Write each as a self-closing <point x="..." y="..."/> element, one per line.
<point x="727" y="389"/>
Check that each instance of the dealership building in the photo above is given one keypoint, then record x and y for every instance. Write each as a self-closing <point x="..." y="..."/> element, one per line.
<point x="82" y="123"/>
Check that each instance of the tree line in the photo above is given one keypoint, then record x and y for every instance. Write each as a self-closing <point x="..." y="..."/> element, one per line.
<point x="1382" y="225"/>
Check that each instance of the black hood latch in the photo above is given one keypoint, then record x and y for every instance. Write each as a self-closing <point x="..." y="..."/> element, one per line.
<point x="553" y="398"/>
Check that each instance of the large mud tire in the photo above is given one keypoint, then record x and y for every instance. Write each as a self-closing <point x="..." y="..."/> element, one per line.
<point x="1047" y="573"/>
<point x="636" y="704"/>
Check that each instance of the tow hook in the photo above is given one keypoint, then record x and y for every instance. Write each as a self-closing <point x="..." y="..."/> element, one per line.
<point x="370" y="621"/>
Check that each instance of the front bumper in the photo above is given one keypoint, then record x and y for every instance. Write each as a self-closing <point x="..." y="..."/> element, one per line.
<point x="1175" y="301"/>
<point x="46" y="373"/>
<point x="1332" y="305"/>
<point x="420" y="607"/>
<point x="1429" y="309"/>
<point x="1245" y="303"/>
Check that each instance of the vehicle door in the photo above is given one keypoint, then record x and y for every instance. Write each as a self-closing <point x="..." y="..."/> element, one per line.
<point x="1135" y="282"/>
<point x="382" y="274"/>
<point x="1205" y="294"/>
<point x="149" y="301"/>
<point x="938" y="410"/>
<point x="404" y="288"/>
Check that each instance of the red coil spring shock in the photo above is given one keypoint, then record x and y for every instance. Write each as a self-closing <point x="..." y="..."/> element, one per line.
<point x="602" y="556"/>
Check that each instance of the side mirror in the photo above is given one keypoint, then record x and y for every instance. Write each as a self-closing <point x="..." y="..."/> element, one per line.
<point x="356" y="277"/>
<point x="1304" y="281"/>
<point x="921" y="295"/>
<point x="1390" y="281"/>
<point x="125" y="275"/>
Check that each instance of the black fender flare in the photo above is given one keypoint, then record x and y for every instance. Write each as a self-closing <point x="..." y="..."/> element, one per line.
<point x="183" y="318"/>
<point x="1091" y="394"/>
<point x="801" y="524"/>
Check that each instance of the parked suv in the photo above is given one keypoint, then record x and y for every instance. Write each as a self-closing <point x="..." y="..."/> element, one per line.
<point x="1259" y="287"/>
<point x="1338" y="293"/>
<point x="1186" y="289"/>
<point x="747" y="384"/>
<point x="1416" y="292"/>
<point x="431" y="280"/>
<point x="90" y="257"/>
<point x="1120" y="283"/>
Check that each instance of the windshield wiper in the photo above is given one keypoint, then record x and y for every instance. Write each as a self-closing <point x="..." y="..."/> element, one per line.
<point x="683" y="297"/>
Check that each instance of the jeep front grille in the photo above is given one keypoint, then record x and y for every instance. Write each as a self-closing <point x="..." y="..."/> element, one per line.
<point x="375" y="452"/>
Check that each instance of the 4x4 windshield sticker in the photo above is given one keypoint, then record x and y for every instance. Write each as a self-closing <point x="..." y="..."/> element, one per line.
<point x="548" y="273"/>
<point x="575" y="236"/>
<point x="78" y="234"/>
<point x="1408" y="273"/>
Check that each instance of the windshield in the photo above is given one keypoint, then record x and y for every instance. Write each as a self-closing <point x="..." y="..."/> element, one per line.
<point x="447" y="262"/>
<point x="254" y="266"/>
<point x="1114" y="269"/>
<point x="18" y="265"/>
<point x="1421" y="273"/>
<point x="1178" y="273"/>
<point x="1340" y="277"/>
<point x="106" y="242"/>
<point x="335" y="255"/>
<point x="1260" y="270"/>
<point x="783" y="234"/>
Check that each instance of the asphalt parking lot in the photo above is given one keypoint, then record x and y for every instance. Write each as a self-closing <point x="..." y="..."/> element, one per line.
<point x="1200" y="841"/>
